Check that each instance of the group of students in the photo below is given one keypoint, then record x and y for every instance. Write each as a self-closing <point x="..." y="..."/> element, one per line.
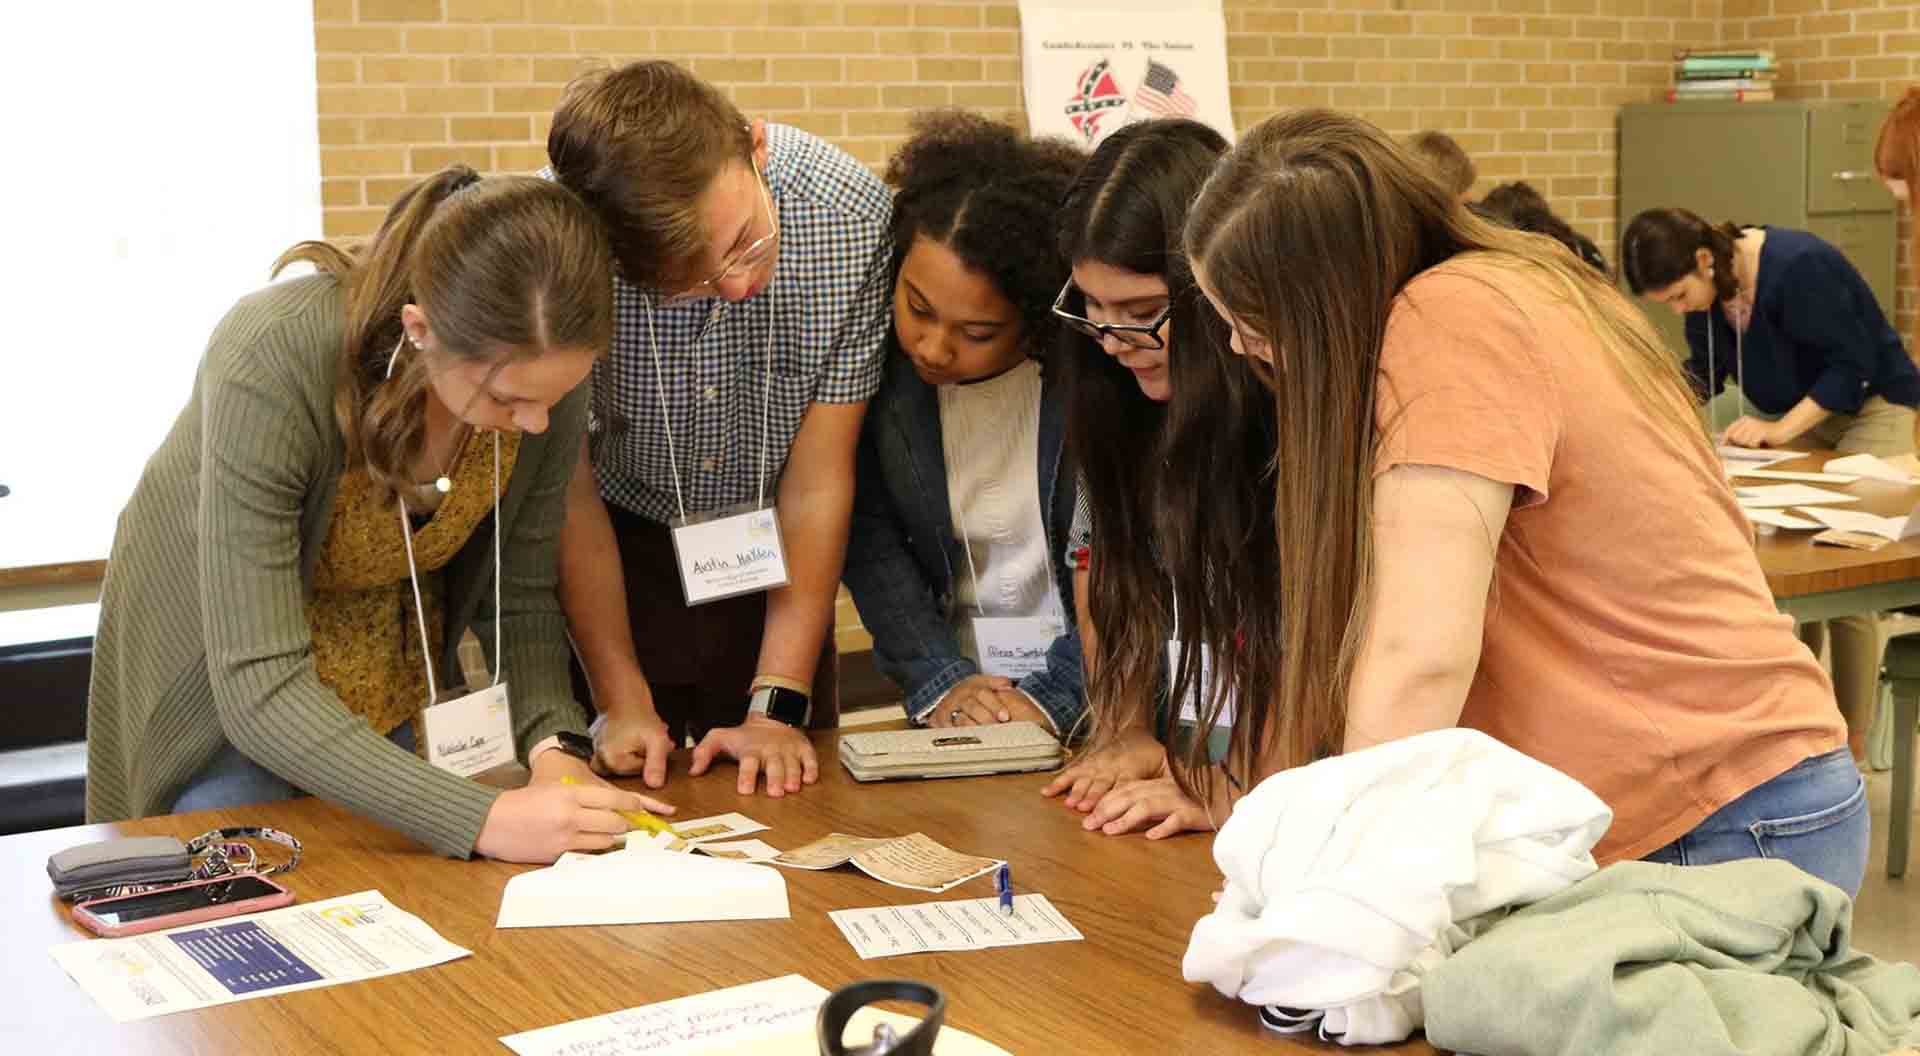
<point x="1279" y="435"/>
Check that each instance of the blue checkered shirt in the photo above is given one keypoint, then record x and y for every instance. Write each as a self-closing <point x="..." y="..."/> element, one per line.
<point x="825" y="309"/>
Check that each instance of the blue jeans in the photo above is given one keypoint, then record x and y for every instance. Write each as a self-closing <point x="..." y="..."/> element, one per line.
<point x="1814" y="815"/>
<point x="233" y="780"/>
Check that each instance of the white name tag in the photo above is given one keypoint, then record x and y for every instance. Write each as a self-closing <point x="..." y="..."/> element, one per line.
<point x="728" y="554"/>
<point x="1190" y="707"/>
<point x="472" y="734"/>
<point x="1013" y="647"/>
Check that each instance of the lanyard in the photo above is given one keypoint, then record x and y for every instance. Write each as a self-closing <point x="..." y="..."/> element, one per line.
<point x="666" y="415"/>
<point x="413" y="570"/>
<point x="1739" y="357"/>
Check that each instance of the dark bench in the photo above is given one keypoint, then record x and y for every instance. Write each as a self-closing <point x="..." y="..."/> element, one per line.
<point x="43" y="753"/>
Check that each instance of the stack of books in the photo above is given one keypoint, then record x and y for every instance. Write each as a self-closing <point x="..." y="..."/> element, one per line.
<point x="1737" y="76"/>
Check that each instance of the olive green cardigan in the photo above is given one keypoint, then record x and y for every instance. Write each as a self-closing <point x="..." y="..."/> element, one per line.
<point x="203" y="636"/>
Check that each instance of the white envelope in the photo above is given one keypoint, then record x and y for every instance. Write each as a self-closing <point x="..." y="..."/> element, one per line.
<point x="1789" y="495"/>
<point x="1872" y="467"/>
<point x="643" y="887"/>
<point x="1781" y="519"/>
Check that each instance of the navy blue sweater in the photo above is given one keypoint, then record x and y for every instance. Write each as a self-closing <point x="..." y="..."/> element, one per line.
<point x="1816" y="331"/>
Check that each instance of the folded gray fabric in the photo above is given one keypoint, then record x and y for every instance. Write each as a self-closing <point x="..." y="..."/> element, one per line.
<point x="1747" y="957"/>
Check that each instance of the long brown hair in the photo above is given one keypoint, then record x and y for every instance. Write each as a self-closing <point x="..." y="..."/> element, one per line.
<point x="641" y="144"/>
<point x="1896" y="156"/>
<point x="1126" y="210"/>
<point x="498" y="265"/>
<point x="1660" y="248"/>
<point x="1307" y="233"/>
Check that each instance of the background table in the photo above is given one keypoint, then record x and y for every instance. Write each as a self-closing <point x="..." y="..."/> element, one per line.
<point x="1120" y="991"/>
<point x="1812" y="582"/>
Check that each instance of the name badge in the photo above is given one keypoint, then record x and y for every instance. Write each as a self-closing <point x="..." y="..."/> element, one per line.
<point x="727" y="553"/>
<point x="1013" y="647"/>
<point x="1190" y="707"/>
<point x="471" y="734"/>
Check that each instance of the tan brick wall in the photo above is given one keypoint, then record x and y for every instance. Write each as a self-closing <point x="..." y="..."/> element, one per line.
<point x="1840" y="49"/>
<point x="1528" y="86"/>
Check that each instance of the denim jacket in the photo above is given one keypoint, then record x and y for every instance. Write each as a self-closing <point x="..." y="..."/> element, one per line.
<point x="902" y="552"/>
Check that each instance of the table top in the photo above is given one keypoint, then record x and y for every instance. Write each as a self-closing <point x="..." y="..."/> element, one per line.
<point x="1118" y="991"/>
<point x="1794" y="566"/>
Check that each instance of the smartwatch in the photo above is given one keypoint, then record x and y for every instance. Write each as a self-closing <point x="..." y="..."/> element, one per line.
<point x="781" y="704"/>
<point x="577" y="745"/>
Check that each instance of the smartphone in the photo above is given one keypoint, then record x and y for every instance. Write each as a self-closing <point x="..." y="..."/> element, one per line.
<point x="170" y="907"/>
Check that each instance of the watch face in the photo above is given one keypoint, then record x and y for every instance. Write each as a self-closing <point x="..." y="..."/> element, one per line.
<point x="576" y="745"/>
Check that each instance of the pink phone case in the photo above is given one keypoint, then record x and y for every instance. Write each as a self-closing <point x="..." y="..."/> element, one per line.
<point x="84" y="915"/>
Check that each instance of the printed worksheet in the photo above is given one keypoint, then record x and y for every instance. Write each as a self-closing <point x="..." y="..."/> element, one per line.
<point x="340" y="940"/>
<point x="913" y="861"/>
<point x="739" y="850"/>
<point x="969" y="924"/>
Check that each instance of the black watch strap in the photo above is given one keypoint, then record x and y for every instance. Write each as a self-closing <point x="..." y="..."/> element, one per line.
<point x="578" y="745"/>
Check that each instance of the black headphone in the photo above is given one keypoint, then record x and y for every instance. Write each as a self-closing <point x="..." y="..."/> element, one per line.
<point x="838" y="1010"/>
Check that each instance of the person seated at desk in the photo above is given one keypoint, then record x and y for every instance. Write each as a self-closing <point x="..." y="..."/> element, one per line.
<point x="955" y="555"/>
<point x="1139" y="359"/>
<point x="366" y="452"/>
<point x="1519" y="205"/>
<point x="1496" y="508"/>
<point x="1789" y="320"/>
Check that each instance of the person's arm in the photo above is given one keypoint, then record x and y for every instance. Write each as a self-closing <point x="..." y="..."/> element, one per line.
<point x="593" y="593"/>
<point x="1435" y="535"/>
<point x="1758" y="432"/>
<point x="913" y="644"/>
<point x="258" y="463"/>
<point x="1822" y="313"/>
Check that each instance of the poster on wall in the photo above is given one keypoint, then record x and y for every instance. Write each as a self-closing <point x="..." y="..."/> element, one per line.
<point x="1093" y="66"/>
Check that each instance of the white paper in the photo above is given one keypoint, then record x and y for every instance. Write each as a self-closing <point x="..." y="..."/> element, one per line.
<point x="340" y="940"/>
<point x="1086" y="65"/>
<point x="1871" y="467"/>
<point x="471" y="734"/>
<point x="1781" y="519"/>
<point x="771" y="1018"/>
<point x="1789" y="495"/>
<point x="1756" y="456"/>
<point x="1743" y="473"/>
<point x="730" y="555"/>
<point x="739" y="850"/>
<point x="642" y="886"/>
<point x="1895" y="528"/>
<point x="1013" y="647"/>
<point x="969" y="924"/>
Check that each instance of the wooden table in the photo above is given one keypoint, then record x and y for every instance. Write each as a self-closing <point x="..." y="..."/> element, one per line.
<point x="1120" y="991"/>
<point x="1812" y="582"/>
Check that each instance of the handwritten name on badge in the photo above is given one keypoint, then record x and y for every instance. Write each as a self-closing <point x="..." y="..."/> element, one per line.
<point x="471" y="734"/>
<point x="1013" y="647"/>
<point x="729" y="555"/>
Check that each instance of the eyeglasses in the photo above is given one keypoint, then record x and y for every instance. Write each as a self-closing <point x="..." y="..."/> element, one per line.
<point x="757" y="252"/>
<point x="1139" y="335"/>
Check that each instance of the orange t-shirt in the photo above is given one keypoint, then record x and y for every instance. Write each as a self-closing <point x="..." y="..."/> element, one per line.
<point x="1631" y="641"/>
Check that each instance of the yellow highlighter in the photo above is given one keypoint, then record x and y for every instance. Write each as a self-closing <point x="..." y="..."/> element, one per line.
<point x="639" y="819"/>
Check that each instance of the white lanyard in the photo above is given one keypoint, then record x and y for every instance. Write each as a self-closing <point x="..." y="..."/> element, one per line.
<point x="666" y="415"/>
<point x="1739" y="358"/>
<point x="413" y="570"/>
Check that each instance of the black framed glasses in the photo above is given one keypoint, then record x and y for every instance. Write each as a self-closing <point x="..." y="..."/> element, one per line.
<point x="1139" y="335"/>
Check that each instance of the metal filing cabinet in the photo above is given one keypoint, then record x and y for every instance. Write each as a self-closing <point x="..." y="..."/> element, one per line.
<point x="1806" y="165"/>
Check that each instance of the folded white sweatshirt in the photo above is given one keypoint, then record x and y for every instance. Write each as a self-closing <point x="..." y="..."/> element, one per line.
<point x="1349" y="878"/>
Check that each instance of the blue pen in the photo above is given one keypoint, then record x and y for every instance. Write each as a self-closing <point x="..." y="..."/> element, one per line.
<point x="1003" y="883"/>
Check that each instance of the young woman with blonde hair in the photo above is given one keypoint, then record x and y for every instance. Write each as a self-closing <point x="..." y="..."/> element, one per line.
<point x="374" y="458"/>
<point x="1496" y="508"/>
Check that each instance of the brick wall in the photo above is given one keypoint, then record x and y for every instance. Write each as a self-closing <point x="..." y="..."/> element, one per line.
<point x="1840" y="49"/>
<point x="1528" y="86"/>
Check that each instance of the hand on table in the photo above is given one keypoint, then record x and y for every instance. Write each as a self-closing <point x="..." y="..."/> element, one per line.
<point x="551" y="815"/>
<point x="1754" y="432"/>
<point x="1136" y="755"/>
<point x="761" y="745"/>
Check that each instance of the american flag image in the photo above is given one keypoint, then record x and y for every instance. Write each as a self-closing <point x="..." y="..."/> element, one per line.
<point x="1160" y="94"/>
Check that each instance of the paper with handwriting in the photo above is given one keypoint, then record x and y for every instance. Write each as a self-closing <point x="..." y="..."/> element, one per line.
<point x="913" y="861"/>
<point x="968" y="924"/>
<point x="772" y="1017"/>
